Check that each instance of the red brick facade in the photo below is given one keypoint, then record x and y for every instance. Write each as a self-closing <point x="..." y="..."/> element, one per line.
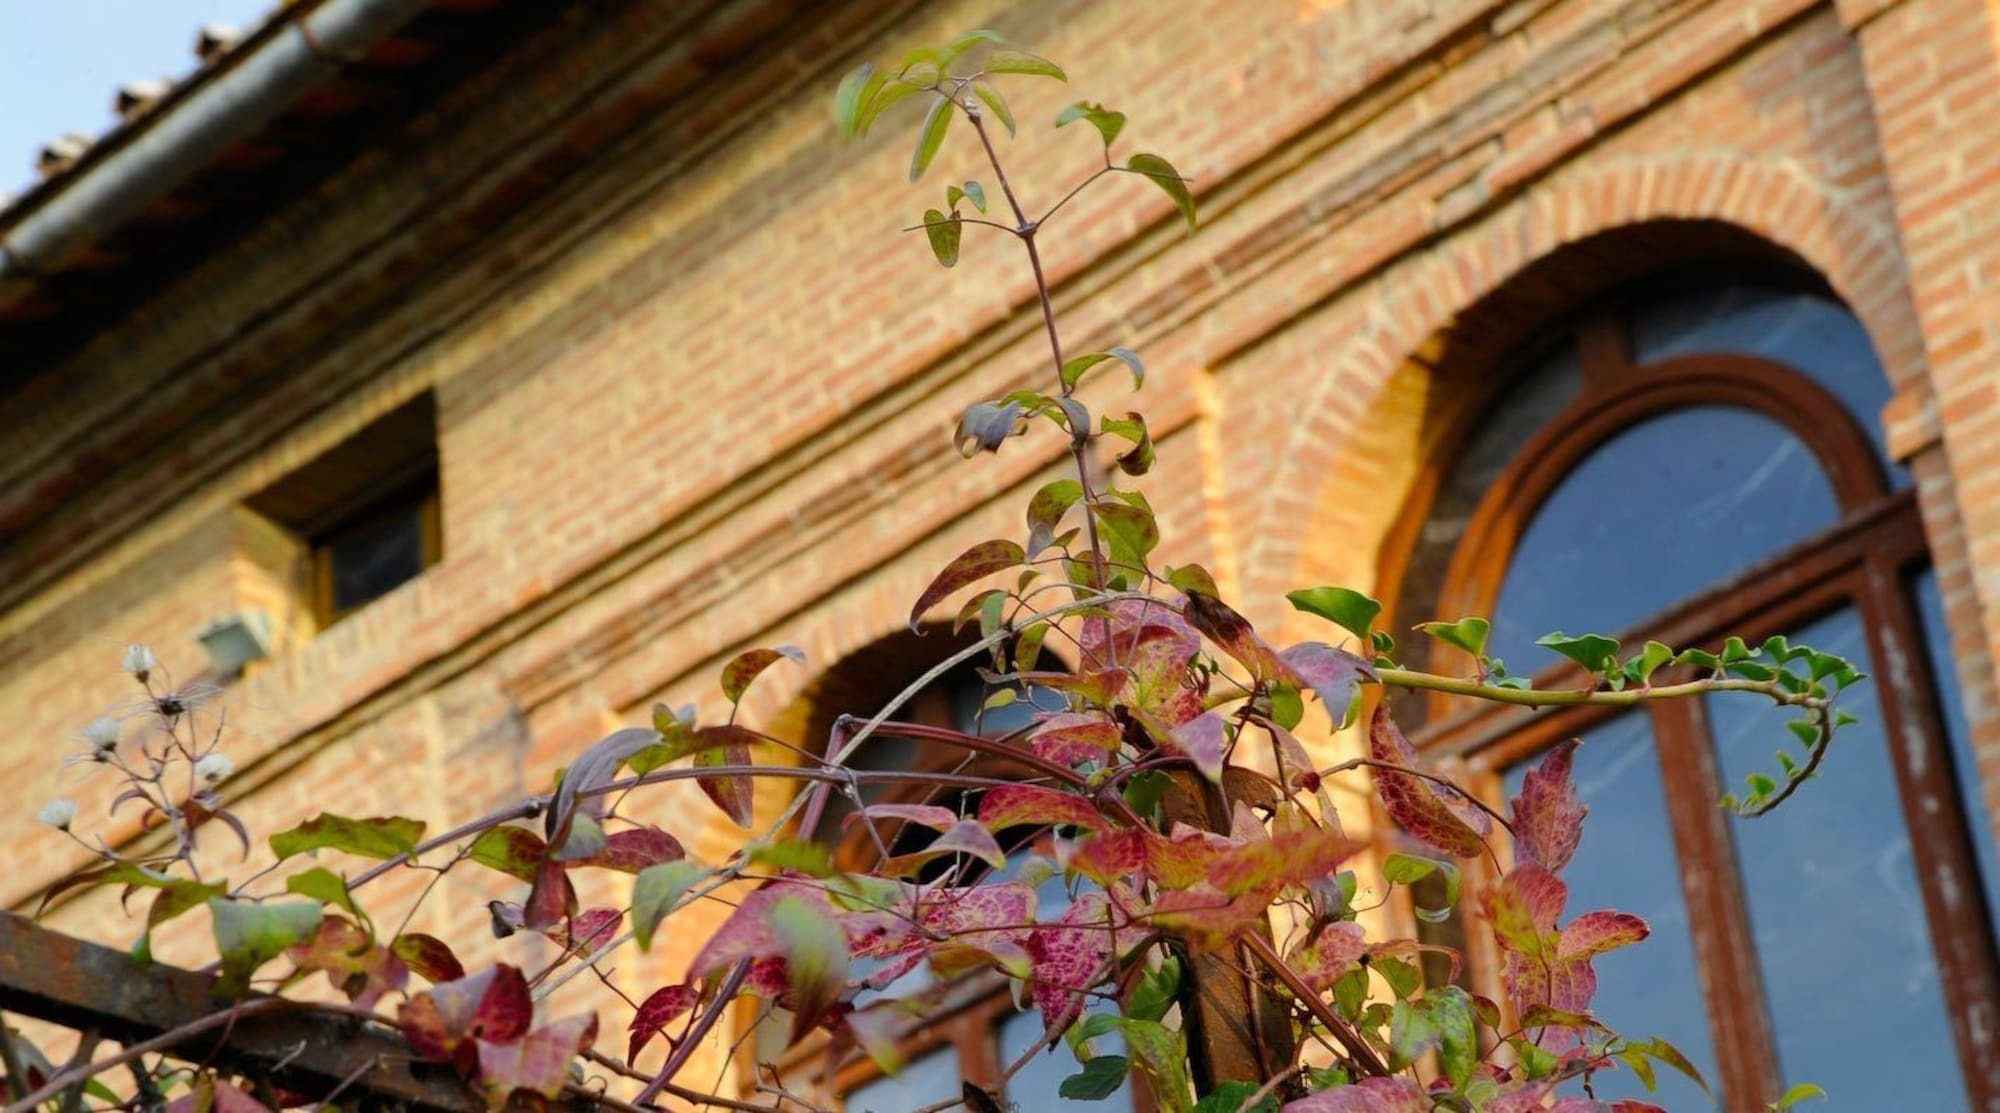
<point x="693" y="393"/>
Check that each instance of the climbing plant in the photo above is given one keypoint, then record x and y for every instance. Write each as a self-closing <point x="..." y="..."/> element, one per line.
<point x="1210" y="920"/>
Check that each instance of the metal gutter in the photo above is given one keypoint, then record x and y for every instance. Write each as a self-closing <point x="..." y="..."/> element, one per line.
<point x="188" y="136"/>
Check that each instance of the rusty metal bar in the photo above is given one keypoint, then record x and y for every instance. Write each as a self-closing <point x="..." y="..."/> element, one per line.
<point x="67" y="981"/>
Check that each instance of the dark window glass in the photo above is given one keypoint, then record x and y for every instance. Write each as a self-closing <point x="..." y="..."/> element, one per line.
<point x="1807" y="332"/>
<point x="1850" y="977"/>
<point x="374" y="556"/>
<point x="1037" y="1087"/>
<point x="1660" y="512"/>
<point x="1626" y="862"/>
<point x="1937" y="647"/>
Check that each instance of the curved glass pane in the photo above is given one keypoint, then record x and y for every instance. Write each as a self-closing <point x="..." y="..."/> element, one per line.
<point x="1626" y="862"/>
<point x="1662" y="511"/>
<point x="1807" y="332"/>
<point x="1838" y="919"/>
<point x="932" y="1078"/>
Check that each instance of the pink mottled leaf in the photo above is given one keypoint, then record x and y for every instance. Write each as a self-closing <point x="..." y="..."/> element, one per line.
<point x="1334" y="675"/>
<point x="1548" y="818"/>
<point x="1070" y="738"/>
<point x="1031" y="805"/>
<point x="1594" y="933"/>
<point x="1371" y="1095"/>
<point x="1321" y="961"/>
<point x="746" y="666"/>
<point x="967" y="836"/>
<point x="1265" y="865"/>
<point x="1109" y="856"/>
<point x="925" y="815"/>
<point x="539" y="1062"/>
<point x="663" y="1007"/>
<point x="593" y="928"/>
<point x="1069" y="956"/>
<point x="633" y="850"/>
<point x="974" y="564"/>
<point x="1202" y="740"/>
<point x="1208" y="919"/>
<point x="1447" y="822"/>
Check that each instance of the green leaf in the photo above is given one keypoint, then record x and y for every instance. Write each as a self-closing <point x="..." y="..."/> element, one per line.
<point x="1803" y="1091"/>
<point x="815" y="952"/>
<point x="1589" y="650"/>
<point x="1468" y="634"/>
<point x="1073" y="368"/>
<point x="972" y="565"/>
<point x="247" y="935"/>
<point x="748" y="665"/>
<point x="895" y="89"/>
<point x="996" y="104"/>
<point x="1019" y="61"/>
<point x="976" y="194"/>
<point x="385" y="837"/>
<point x="1157" y="992"/>
<point x="1412" y="1031"/>
<point x="1651" y="658"/>
<point x="324" y="886"/>
<point x="856" y="90"/>
<point x="1167" y="178"/>
<point x="1457" y="1025"/>
<point x="1803" y="730"/>
<point x="931" y="137"/>
<point x="1673" y="1056"/>
<point x="1162" y="1054"/>
<point x="1107" y="122"/>
<point x="514" y="851"/>
<point x="1132" y="427"/>
<point x="1099" y="1079"/>
<point x="788" y="854"/>
<point x="1132" y="526"/>
<point x="944" y="232"/>
<point x="1230" y="1096"/>
<point x="1348" y="609"/>
<point x="657" y="890"/>
<point x="1192" y="579"/>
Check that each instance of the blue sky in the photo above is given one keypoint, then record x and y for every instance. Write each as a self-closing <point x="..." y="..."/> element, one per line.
<point x="61" y="62"/>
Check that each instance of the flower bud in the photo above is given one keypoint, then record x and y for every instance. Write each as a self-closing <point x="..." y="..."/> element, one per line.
<point x="58" y="813"/>
<point x="213" y="767"/>
<point x="139" y="661"/>
<point x="102" y="733"/>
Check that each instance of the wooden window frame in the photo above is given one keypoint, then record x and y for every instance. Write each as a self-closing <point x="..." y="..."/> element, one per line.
<point x="1865" y="561"/>
<point x="423" y="495"/>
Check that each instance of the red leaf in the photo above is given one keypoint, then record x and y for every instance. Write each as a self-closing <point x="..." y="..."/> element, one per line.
<point x="967" y="836"/>
<point x="1110" y="856"/>
<point x="428" y="955"/>
<point x="665" y="1005"/>
<point x="1234" y="634"/>
<point x="594" y="767"/>
<point x="1265" y="865"/>
<point x="514" y="851"/>
<point x="727" y="745"/>
<point x="1323" y="960"/>
<point x="935" y="817"/>
<point x="1594" y="933"/>
<point x="550" y="899"/>
<point x="1068" y="957"/>
<point x="738" y="673"/>
<point x="1070" y="738"/>
<point x="593" y="929"/>
<point x="976" y="563"/>
<point x="1154" y="646"/>
<point x="492" y="1005"/>
<point x="1206" y="918"/>
<point x="538" y="1063"/>
<point x="1450" y="824"/>
<point x="634" y="849"/>
<point x="1031" y="805"/>
<point x="1548" y="819"/>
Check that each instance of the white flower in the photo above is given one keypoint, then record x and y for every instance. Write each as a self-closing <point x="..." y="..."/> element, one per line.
<point x="212" y="768"/>
<point x="139" y="660"/>
<point x="102" y="733"/>
<point x="58" y="813"/>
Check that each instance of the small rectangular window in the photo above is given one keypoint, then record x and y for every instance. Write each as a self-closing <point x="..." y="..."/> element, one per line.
<point x="364" y="517"/>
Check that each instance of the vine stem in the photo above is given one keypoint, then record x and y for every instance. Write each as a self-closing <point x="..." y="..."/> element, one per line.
<point x="79" y="1074"/>
<point x="1357" y="1047"/>
<point x="1578" y="697"/>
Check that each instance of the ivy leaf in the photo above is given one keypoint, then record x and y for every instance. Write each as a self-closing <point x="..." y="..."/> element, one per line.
<point x="1468" y="634"/>
<point x="936" y="123"/>
<point x="428" y="956"/>
<point x="748" y="665"/>
<point x="1107" y="122"/>
<point x="1167" y="178"/>
<point x="996" y="104"/>
<point x="974" y="564"/>
<point x="815" y="952"/>
<point x="943" y="232"/>
<point x="384" y="838"/>
<point x="1074" y="367"/>
<point x="1452" y="825"/>
<point x="656" y="892"/>
<point x="1348" y="609"/>
<point x="1592" y="651"/>
<point x="1099" y="1079"/>
<point x="247" y="935"/>
<point x="1018" y="61"/>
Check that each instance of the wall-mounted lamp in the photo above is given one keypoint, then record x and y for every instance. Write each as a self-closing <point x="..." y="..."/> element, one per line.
<point x="234" y="641"/>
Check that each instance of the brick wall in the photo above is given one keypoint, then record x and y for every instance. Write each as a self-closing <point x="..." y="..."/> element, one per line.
<point x="694" y="395"/>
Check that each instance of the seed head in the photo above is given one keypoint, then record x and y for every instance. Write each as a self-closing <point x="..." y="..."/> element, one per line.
<point x="139" y="661"/>
<point x="212" y="768"/>
<point x="102" y="734"/>
<point x="58" y="813"/>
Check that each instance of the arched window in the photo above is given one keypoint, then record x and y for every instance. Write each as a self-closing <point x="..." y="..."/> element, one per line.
<point x="1683" y="466"/>
<point x="977" y="1030"/>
